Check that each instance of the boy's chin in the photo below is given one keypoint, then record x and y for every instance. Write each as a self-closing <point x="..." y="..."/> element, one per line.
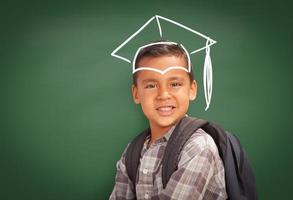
<point x="165" y="122"/>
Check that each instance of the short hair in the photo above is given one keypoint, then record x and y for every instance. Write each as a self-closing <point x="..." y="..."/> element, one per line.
<point x="162" y="49"/>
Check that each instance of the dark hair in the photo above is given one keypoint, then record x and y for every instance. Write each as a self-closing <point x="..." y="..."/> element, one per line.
<point x="158" y="50"/>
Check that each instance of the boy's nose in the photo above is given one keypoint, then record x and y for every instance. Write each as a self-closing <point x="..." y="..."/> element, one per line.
<point x="163" y="93"/>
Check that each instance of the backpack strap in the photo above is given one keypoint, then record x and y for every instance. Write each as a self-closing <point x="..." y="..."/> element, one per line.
<point x="182" y="132"/>
<point x="132" y="155"/>
<point x="219" y="136"/>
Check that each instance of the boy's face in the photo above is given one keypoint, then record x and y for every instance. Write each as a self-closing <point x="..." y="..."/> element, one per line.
<point x="164" y="98"/>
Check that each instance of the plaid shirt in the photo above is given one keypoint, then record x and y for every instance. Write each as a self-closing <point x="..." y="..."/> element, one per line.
<point x="200" y="173"/>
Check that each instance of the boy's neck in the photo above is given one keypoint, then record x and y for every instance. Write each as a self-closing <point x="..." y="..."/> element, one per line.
<point x="158" y="132"/>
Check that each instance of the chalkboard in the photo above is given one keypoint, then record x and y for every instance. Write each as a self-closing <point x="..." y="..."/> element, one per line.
<point x="66" y="107"/>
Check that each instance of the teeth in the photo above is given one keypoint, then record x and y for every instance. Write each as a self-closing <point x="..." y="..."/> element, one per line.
<point x="165" y="108"/>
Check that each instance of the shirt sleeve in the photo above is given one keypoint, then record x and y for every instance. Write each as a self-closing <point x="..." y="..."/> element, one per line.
<point x="200" y="173"/>
<point x="123" y="189"/>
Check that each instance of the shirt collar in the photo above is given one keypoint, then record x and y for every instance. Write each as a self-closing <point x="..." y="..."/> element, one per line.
<point x="164" y="138"/>
<point x="168" y="134"/>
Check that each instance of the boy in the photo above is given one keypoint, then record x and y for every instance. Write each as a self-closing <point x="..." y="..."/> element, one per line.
<point x="164" y="99"/>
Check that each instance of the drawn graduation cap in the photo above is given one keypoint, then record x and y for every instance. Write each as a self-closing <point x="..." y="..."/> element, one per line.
<point x="207" y="71"/>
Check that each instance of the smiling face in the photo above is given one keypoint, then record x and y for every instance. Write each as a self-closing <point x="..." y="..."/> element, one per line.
<point x="164" y="98"/>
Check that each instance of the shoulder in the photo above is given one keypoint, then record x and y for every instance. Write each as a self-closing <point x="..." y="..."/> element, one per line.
<point x="200" y="140"/>
<point x="199" y="144"/>
<point x="120" y="165"/>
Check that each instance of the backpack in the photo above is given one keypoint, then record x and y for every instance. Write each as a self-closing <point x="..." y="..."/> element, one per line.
<point x="239" y="177"/>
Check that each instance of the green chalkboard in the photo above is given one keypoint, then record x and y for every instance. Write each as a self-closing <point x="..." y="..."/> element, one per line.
<point x="66" y="107"/>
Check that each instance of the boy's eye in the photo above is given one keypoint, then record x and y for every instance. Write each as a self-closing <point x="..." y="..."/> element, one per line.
<point x="176" y="84"/>
<point x="150" y="85"/>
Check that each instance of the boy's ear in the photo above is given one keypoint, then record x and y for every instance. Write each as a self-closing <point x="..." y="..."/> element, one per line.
<point x="193" y="90"/>
<point x="135" y="94"/>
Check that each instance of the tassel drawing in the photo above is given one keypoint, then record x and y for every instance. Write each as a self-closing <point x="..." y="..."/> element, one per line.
<point x="208" y="76"/>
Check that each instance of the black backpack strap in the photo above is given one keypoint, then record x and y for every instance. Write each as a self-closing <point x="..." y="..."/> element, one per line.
<point x="182" y="132"/>
<point x="219" y="136"/>
<point x="132" y="155"/>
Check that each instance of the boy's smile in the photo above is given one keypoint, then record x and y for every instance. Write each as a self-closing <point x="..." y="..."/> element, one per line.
<point x="164" y="98"/>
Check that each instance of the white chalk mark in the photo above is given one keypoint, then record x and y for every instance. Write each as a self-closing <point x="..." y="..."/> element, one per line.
<point x="159" y="25"/>
<point x="155" y="43"/>
<point x="128" y="39"/>
<point x="160" y="71"/>
<point x="120" y="57"/>
<point x="183" y="26"/>
<point x="208" y="77"/>
<point x="207" y="72"/>
<point x="160" y="30"/>
<point x="188" y="57"/>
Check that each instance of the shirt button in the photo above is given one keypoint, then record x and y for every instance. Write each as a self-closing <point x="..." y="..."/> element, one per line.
<point x="145" y="171"/>
<point x="146" y="196"/>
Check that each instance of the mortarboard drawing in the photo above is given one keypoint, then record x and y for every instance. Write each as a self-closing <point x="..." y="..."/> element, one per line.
<point x="207" y="71"/>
